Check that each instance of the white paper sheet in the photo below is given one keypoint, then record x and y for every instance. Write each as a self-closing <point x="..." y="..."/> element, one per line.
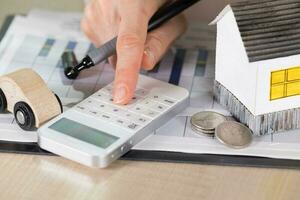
<point x="23" y="47"/>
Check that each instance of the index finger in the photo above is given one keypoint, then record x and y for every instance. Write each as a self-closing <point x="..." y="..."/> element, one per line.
<point x="130" y="48"/>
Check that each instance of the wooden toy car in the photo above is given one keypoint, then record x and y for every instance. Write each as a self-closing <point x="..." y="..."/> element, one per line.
<point x="26" y="95"/>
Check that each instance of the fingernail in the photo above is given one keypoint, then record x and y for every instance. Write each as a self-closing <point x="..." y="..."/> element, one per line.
<point x="149" y="55"/>
<point x="120" y="94"/>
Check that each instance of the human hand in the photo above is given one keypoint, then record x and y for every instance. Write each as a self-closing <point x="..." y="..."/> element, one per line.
<point x="128" y="19"/>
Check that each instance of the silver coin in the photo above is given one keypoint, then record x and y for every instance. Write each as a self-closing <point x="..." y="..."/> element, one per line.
<point x="203" y="132"/>
<point x="207" y="120"/>
<point x="233" y="134"/>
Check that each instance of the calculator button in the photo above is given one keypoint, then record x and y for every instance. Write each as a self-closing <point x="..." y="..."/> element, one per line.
<point x="107" y="90"/>
<point x="138" y="109"/>
<point x="162" y="99"/>
<point x="127" y="115"/>
<point x="101" y="97"/>
<point x="109" y="99"/>
<point x="139" y="119"/>
<point x="81" y="109"/>
<point x="142" y="120"/>
<point x="159" y="107"/>
<point x="124" y="123"/>
<point x="120" y="122"/>
<point x="133" y="126"/>
<point x="141" y="92"/>
<point x="151" y="113"/>
<point x="147" y="103"/>
<point x="105" y="117"/>
<point x="93" y="113"/>
<point x="132" y="102"/>
<point x="101" y="105"/>
<point x="104" y="107"/>
<point x="155" y="97"/>
<point x="114" y="110"/>
<point x="167" y="101"/>
<point x="88" y="102"/>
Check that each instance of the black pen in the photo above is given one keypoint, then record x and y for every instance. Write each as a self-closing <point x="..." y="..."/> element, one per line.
<point x="108" y="49"/>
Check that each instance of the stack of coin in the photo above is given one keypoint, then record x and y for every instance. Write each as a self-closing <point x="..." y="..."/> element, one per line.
<point x="230" y="133"/>
<point x="206" y="122"/>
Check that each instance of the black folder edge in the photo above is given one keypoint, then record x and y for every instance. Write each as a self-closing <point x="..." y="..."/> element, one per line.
<point x="159" y="156"/>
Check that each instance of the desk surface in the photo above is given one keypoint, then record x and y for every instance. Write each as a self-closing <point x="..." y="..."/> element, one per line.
<point x="43" y="177"/>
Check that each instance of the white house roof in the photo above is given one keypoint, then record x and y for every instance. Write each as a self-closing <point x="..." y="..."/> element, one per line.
<point x="269" y="28"/>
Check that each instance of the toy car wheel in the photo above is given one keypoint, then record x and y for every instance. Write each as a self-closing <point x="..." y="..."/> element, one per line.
<point x="24" y="116"/>
<point x="59" y="101"/>
<point x="3" y="102"/>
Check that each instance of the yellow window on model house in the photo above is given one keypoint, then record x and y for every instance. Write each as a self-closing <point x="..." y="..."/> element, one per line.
<point x="285" y="83"/>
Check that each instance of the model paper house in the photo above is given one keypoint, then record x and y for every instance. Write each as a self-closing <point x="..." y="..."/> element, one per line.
<point x="258" y="63"/>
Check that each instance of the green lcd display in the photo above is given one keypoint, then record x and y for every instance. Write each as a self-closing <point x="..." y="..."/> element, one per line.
<point x="84" y="133"/>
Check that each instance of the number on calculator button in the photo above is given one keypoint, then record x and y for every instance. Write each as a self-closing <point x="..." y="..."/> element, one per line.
<point x="143" y="120"/>
<point x="168" y="101"/>
<point x="81" y="108"/>
<point x="150" y="113"/>
<point x="105" y="117"/>
<point x="133" y="126"/>
<point x="141" y="92"/>
<point x="107" y="90"/>
<point x="159" y="107"/>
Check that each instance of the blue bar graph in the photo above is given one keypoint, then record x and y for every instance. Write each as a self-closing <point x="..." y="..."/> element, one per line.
<point x="177" y="66"/>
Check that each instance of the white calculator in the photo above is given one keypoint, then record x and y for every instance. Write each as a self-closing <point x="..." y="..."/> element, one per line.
<point x="96" y="132"/>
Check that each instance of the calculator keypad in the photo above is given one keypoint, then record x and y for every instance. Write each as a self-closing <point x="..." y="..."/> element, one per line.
<point x="143" y="108"/>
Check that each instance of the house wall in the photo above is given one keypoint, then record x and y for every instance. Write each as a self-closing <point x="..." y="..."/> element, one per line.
<point x="232" y="67"/>
<point x="263" y="103"/>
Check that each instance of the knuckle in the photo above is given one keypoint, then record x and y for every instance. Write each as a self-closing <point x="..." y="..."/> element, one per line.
<point x="129" y="41"/>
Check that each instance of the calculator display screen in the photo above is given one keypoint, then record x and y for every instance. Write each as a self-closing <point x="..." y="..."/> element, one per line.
<point x="84" y="133"/>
